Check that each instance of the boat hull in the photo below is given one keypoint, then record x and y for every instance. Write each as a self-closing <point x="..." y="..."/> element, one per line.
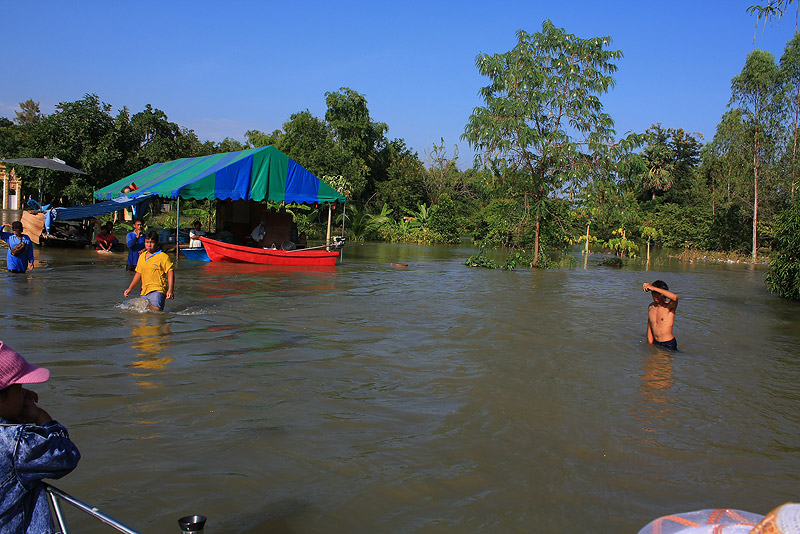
<point x="195" y="254"/>
<point x="230" y="253"/>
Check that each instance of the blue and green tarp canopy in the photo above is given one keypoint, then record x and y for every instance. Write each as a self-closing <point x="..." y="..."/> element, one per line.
<point x="93" y="210"/>
<point x="257" y="174"/>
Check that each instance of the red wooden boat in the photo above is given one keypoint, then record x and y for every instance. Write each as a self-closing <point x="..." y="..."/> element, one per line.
<point x="228" y="252"/>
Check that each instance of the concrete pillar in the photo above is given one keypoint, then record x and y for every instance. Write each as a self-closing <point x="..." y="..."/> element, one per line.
<point x="4" y="176"/>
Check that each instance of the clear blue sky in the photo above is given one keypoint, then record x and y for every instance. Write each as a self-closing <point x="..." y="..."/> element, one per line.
<point x="222" y="68"/>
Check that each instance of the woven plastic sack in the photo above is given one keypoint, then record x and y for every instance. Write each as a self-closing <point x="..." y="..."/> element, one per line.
<point x="784" y="519"/>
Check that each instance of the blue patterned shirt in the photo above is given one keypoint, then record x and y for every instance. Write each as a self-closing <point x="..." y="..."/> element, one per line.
<point x="15" y="263"/>
<point x="29" y="453"/>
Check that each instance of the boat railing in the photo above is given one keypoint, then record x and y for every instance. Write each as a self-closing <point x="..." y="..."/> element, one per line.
<point x="55" y="495"/>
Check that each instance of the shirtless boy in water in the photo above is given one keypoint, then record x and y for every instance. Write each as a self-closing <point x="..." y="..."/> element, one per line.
<point x="661" y="315"/>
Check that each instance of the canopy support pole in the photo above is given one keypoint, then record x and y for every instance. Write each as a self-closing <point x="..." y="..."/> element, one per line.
<point x="328" y="236"/>
<point x="177" y="230"/>
<point x="344" y="218"/>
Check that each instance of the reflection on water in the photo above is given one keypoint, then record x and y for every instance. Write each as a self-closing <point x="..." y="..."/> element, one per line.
<point x="149" y="340"/>
<point x="432" y="398"/>
<point x="657" y="382"/>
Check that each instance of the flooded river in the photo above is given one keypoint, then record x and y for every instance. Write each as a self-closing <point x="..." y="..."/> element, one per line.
<point x="428" y="398"/>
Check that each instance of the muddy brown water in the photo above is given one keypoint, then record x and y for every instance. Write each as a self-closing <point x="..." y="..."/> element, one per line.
<point x="430" y="397"/>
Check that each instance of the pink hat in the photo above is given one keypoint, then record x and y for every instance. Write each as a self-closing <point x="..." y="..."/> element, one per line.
<point x="15" y="370"/>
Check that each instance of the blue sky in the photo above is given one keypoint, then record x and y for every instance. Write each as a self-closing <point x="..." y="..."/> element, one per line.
<point x="222" y="68"/>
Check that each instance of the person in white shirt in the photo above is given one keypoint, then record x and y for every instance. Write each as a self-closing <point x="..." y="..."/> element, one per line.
<point x="194" y="235"/>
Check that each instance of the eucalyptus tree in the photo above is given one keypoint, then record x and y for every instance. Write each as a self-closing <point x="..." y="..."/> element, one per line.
<point x="730" y="147"/>
<point x="790" y="68"/>
<point x="757" y="92"/>
<point x="542" y="123"/>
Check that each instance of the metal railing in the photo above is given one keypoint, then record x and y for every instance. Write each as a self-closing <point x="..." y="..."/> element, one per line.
<point x="54" y="494"/>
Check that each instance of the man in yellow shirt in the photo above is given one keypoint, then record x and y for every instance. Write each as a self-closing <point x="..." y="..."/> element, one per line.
<point x="155" y="270"/>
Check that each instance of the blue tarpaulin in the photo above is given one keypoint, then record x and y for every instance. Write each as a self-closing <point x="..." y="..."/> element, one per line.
<point x="257" y="174"/>
<point x="92" y="210"/>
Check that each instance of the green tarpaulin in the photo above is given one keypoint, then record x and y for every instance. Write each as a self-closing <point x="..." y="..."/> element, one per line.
<point x="258" y="174"/>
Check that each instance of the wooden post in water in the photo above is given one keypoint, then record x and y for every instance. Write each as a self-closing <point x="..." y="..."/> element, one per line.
<point x="587" y="240"/>
<point x="328" y="236"/>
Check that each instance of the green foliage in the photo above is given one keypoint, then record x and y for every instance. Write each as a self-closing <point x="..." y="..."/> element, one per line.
<point x="444" y="220"/>
<point x="358" y="222"/>
<point x="309" y="220"/>
<point x="622" y="247"/>
<point x="517" y="258"/>
<point x="363" y="225"/>
<point x="358" y="138"/>
<point x="399" y="178"/>
<point x="480" y="260"/>
<point x="758" y="91"/>
<point x="783" y="275"/>
<point x="422" y="216"/>
<point x="649" y="233"/>
<point x="790" y="70"/>
<point x="682" y="226"/>
<point x="729" y="229"/>
<point x="443" y="176"/>
<point x="543" y="128"/>
<point x="773" y="10"/>
<point x="382" y="217"/>
<point x="311" y="143"/>
<point x="670" y="158"/>
<point x="155" y="139"/>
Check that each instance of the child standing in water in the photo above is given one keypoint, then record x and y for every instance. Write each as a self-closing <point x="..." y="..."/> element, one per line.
<point x="32" y="447"/>
<point x="661" y="315"/>
<point x="155" y="271"/>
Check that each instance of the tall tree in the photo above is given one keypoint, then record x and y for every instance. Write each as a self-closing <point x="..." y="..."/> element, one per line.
<point x="442" y="174"/>
<point x="403" y="186"/>
<point x="543" y="122"/>
<point x="758" y="93"/>
<point x="157" y="139"/>
<point x="660" y="162"/>
<point x="730" y="146"/>
<point x="790" y="68"/>
<point x="310" y="141"/>
<point x="28" y="112"/>
<point x="84" y="134"/>
<point x="361" y="138"/>
<point x="772" y="10"/>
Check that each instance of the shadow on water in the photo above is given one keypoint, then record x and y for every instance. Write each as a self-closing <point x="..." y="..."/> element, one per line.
<point x="425" y="398"/>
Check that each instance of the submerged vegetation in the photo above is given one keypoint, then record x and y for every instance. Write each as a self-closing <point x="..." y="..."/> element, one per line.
<point x="550" y="172"/>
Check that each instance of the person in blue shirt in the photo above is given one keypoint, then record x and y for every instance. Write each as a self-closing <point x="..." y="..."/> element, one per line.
<point x="18" y="259"/>
<point x="33" y="446"/>
<point x="135" y="241"/>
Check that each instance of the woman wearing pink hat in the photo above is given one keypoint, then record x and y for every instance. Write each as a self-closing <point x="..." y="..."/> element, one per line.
<point x="32" y="447"/>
